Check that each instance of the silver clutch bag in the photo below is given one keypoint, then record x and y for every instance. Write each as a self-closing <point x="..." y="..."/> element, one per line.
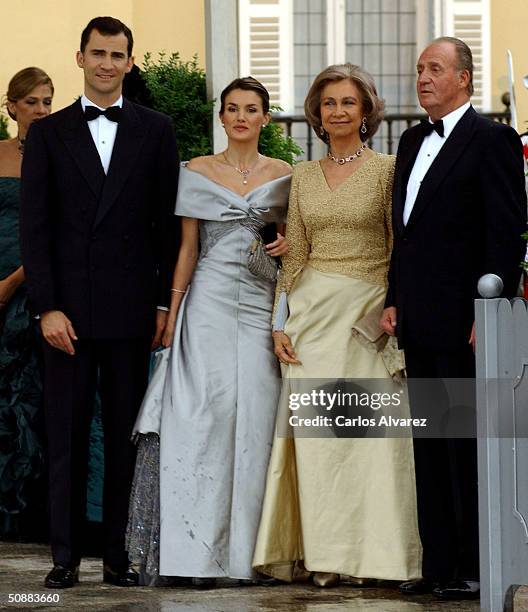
<point x="261" y="264"/>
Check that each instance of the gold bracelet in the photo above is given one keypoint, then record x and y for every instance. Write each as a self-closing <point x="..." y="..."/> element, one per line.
<point x="179" y="290"/>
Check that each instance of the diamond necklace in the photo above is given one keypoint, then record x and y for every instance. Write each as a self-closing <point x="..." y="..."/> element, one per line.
<point x="21" y="142"/>
<point x="345" y="160"/>
<point x="243" y="173"/>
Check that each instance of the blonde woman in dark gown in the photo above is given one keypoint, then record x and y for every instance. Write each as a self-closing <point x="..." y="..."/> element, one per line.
<point x="22" y="489"/>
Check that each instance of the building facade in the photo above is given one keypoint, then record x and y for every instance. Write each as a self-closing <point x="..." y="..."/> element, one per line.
<point x="285" y="43"/>
<point x="46" y="34"/>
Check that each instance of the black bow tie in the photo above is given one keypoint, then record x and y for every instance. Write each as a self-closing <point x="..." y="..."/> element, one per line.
<point x="428" y="127"/>
<point x="112" y="113"/>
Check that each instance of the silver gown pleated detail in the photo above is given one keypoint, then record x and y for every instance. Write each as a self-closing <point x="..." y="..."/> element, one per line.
<point x="212" y="401"/>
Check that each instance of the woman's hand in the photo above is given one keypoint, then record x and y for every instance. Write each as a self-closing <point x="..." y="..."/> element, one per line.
<point x="161" y="323"/>
<point x="278" y="247"/>
<point x="9" y="285"/>
<point x="284" y="349"/>
<point x="7" y="289"/>
<point x="168" y="333"/>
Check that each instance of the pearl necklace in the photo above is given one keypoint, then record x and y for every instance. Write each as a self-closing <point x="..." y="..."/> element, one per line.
<point x="243" y="173"/>
<point x="345" y="160"/>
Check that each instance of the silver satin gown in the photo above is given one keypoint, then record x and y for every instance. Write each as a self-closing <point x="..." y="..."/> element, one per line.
<point x="212" y="400"/>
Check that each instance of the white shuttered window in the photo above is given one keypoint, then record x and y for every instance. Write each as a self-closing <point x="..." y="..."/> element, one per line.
<point x="266" y="47"/>
<point x="469" y="21"/>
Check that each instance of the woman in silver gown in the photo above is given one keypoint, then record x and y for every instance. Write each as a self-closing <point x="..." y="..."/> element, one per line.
<point x="210" y="408"/>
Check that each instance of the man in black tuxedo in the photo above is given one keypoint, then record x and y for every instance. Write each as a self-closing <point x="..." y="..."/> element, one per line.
<point x="459" y="209"/>
<point x="99" y="242"/>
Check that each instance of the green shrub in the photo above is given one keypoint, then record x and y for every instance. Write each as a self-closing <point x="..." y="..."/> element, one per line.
<point x="4" y="134"/>
<point x="178" y="89"/>
<point x="274" y="143"/>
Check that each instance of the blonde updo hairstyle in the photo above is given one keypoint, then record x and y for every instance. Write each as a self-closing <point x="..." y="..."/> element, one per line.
<point x="23" y="83"/>
<point x="372" y="105"/>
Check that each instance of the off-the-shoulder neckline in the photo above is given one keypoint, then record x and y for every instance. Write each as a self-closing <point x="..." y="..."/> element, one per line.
<point x="231" y="191"/>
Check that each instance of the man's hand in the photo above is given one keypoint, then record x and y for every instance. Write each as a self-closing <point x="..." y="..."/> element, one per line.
<point x="473" y="337"/>
<point x="388" y="320"/>
<point x="284" y="349"/>
<point x="58" y="331"/>
<point x="161" y="322"/>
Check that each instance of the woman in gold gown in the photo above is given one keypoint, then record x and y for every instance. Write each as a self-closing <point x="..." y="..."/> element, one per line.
<point x="343" y="506"/>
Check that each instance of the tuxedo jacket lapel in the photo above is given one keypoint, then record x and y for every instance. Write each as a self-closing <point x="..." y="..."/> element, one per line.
<point x="446" y="158"/>
<point x="79" y="142"/>
<point x="127" y="145"/>
<point x="407" y="155"/>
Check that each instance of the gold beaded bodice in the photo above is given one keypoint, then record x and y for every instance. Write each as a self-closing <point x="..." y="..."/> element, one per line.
<point x="347" y="230"/>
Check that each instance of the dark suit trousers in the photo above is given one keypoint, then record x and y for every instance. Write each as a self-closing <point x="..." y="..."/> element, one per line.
<point x="446" y="477"/>
<point x="69" y="392"/>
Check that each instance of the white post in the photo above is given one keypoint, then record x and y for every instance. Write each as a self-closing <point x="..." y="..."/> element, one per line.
<point x="423" y="33"/>
<point x="221" y="46"/>
<point x="335" y="31"/>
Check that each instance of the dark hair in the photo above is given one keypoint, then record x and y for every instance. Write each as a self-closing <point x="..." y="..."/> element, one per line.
<point x="135" y="88"/>
<point x="25" y="81"/>
<point x="107" y="26"/>
<point x="247" y="84"/>
<point x="371" y="104"/>
<point x="464" y="57"/>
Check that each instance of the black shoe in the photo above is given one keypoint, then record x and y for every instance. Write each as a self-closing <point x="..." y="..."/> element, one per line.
<point x="204" y="583"/>
<point x="418" y="587"/>
<point x="62" y="577"/>
<point x="264" y="580"/>
<point x="123" y="578"/>
<point x="260" y="580"/>
<point x="459" y="589"/>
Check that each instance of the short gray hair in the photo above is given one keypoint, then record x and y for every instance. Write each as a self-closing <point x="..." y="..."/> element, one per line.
<point x="463" y="55"/>
<point x="371" y="104"/>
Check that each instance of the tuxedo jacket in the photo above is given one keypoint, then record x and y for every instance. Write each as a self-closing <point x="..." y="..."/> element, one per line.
<point x="467" y="221"/>
<point x="101" y="248"/>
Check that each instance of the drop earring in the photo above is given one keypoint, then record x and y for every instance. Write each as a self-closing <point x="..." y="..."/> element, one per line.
<point x="364" y="128"/>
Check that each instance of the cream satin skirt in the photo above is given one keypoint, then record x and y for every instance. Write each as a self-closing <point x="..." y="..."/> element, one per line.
<point x="343" y="505"/>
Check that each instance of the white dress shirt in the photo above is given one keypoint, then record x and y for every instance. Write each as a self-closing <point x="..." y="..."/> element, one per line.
<point x="103" y="131"/>
<point x="430" y="148"/>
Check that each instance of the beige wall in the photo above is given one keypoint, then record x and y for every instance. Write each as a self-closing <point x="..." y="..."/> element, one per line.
<point x="509" y="30"/>
<point x="46" y="34"/>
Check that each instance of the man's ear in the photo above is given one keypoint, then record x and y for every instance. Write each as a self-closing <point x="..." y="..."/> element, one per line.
<point x="80" y="59"/>
<point x="130" y="63"/>
<point x="464" y="78"/>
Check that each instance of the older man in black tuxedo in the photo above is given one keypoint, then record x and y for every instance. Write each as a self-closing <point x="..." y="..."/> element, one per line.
<point x="459" y="208"/>
<point x="99" y="241"/>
